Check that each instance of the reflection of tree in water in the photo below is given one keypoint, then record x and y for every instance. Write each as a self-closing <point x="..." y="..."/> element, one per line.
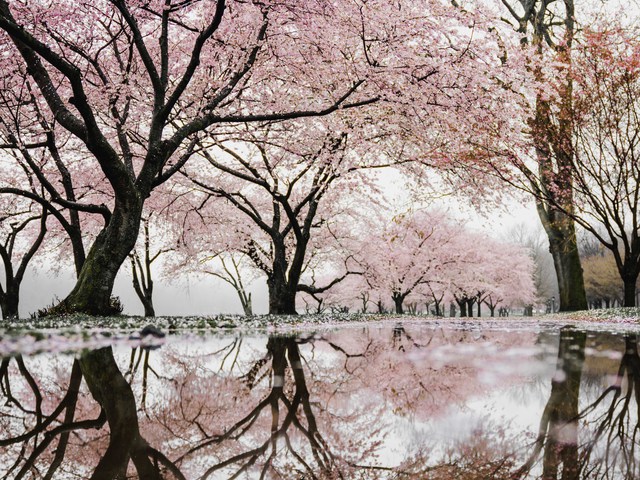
<point x="315" y="407"/>
<point x="44" y="439"/>
<point x="110" y="389"/>
<point x="291" y="411"/>
<point x="40" y="429"/>
<point x="599" y="440"/>
<point x="557" y="438"/>
<point x="611" y="450"/>
<point x="286" y="418"/>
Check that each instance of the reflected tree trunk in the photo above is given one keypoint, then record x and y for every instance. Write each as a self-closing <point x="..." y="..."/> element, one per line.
<point x="111" y="390"/>
<point x="557" y="439"/>
<point x="291" y="411"/>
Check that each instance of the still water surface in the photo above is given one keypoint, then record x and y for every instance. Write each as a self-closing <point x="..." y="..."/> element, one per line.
<point x="396" y="400"/>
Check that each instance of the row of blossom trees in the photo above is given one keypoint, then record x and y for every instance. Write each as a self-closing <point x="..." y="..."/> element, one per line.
<point x="424" y="258"/>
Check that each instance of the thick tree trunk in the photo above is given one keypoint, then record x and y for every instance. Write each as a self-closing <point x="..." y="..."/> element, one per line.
<point x="282" y="299"/>
<point x="92" y="292"/>
<point x="566" y="259"/>
<point x="630" y="291"/>
<point x="555" y="156"/>
<point x="557" y="439"/>
<point x="561" y="448"/>
<point x="282" y="289"/>
<point x="492" y="309"/>
<point x="479" y="309"/>
<point x="398" y="301"/>
<point x="9" y="301"/>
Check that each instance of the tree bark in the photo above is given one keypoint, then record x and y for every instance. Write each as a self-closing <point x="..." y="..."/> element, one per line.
<point x="282" y="298"/>
<point x="92" y="293"/>
<point x="247" y="307"/>
<point x="463" y="307"/>
<point x="470" y="302"/>
<point x="149" y="311"/>
<point x="566" y="259"/>
<point x="630" y="291"/>
<point x="9" y="301"/>
<point x="398" y="301"/>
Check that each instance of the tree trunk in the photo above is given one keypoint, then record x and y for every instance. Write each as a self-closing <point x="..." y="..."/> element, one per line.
<point x="557" y="439"/>
<point x="9" y="301"/>
<point x="149" y="311"/>
<point x="246" y="305"/>
<point x="463" y="307"/>
<point x="282" y="299"/>
<point x="479" y="309"/>
<point x="398" y="300"/>
<point x="630" y="291"/>
<point x="555" y="157"/>
<point x="470" y="302"/>
<point x="566" y="259"/>
<point x="561" y="447"/>
<point x="92" y="292"/>
<point x="492" y="309"/>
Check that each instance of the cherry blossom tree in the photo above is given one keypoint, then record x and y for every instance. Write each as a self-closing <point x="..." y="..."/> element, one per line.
<point x="508" y="278"/>
<point x="412" y="250"/>
<point x="282" y="195"/>
<point x="583" y="137"/>
<point x="93" y="68"/>
<point x="494" y="273"/>
<point x="548" y="29"/>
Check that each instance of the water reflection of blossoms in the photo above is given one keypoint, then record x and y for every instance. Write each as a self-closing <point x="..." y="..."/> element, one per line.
<point x="311" y="407"/>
